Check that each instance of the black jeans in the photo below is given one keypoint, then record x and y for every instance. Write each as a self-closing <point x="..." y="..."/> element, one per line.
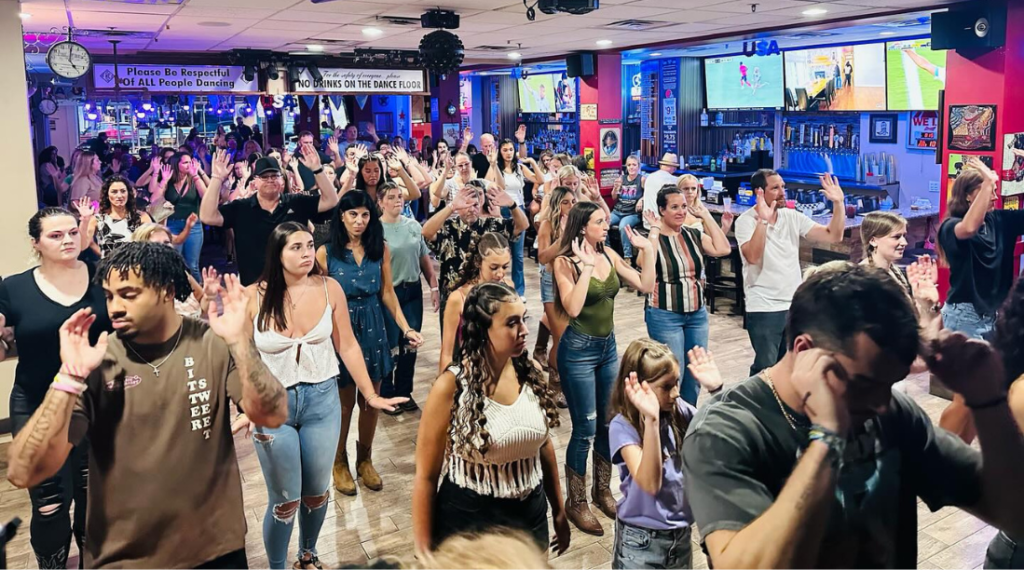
<point x="399" y="383"/>
<point x="236" y="559"/>
<point x="52" y="527"/>
<point x="1004" y="552"/>
<point x="767" y="332"/>
<point x="458" y="510"/>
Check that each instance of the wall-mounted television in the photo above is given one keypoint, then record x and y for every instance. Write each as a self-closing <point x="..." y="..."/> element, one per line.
<point x="915" y="74"/>
<point x="744" y="82"/>
<point x="836" y="78"/>
<point x="547" y="93"/>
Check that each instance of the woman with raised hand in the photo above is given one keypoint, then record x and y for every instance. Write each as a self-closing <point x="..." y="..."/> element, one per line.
<point x="198" y="304"/>
<point x="458" y="171"/>
<point x="184" y="189"/>
<point x="586" y="281"/>
<point x="360" y="261"/>
<point x="511" y="176"/>
<point x="484" y="435"/>
<point x="300" y="319"/>
<point x="490" y="262"/>
<point x="118" y="216"/>
<point x="36" y="303"/>
<point x="883" y="236"/>
<point x="675" y="312"/>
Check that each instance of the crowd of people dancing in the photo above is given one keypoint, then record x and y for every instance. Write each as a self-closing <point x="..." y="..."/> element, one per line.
<point x="138" y="366"/>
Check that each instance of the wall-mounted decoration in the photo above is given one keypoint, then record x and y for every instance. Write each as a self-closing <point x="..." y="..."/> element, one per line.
<point x="883" y="128"/>
<point x="450" y="132"/>
<point x="923" y="129"/>
<point x="1013" y="164"/>
<point x="588" y="112"/>
<point x="972" y="127"/>
<point x="588" y="153"/>
<point x="451" y="109"/>
<point x="384" y="122"/>
<point x="611" y="147"/>
<point x="958" y="161"/>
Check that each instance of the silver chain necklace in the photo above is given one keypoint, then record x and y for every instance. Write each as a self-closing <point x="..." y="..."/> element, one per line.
<point x="156" y="367"/>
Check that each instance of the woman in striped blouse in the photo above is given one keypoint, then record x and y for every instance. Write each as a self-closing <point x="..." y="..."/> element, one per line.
<point x="675" y="311"/>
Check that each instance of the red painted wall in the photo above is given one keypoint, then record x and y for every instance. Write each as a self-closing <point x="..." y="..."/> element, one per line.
<point x="605" y="89"/>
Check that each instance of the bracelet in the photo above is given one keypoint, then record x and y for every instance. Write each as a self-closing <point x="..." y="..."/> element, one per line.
<point x="372" y="398"/>
<point x="716" y="390"/>
<point x="65" y="383"/>
<point x="318" y="170"/>
<point x="433" y="289"/>
<point x="836" y="444"/>
<point x="997" y="401"/>
<point x="590" y="265"/>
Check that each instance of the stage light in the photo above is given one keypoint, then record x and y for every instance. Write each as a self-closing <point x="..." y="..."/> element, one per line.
<point x="314" y="72"/>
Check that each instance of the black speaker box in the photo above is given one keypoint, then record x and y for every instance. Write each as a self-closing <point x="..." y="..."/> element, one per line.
<point x="580" y="64"/>
<point x="981" y="25"/>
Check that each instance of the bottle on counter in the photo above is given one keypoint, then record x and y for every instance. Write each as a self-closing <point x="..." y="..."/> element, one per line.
<point x="719" y="118"/>
<point x="704" y="117"/>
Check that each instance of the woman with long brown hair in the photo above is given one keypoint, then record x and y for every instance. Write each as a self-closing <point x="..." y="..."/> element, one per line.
<point x="184" y="189"/>
<point x="85" y="179"/>
<point x="486" y="431"/>
<point x="977" y="241"/>
<point x="118" y="216"/>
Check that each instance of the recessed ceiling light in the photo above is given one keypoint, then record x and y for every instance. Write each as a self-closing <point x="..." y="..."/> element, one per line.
<point x="24" y="15"/>
<point x="514" y="55"/>
<point x="604" y="43"/>
<point x="314" y="47"/>
<point x="656" y="54"/>
<point x="887" y="34"/>
<point x="815" y="12"/>
<point x="373" y="32"/>
<point x="214" y="24"/>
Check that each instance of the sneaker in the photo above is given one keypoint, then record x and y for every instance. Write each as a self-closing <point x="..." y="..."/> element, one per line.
<point x="410" y="406"/>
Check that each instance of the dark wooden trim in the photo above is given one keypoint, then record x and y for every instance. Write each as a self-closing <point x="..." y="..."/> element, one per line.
<point x="5" y="425"/>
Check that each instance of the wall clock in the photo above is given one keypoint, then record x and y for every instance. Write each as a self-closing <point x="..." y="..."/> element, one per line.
<point x="69" y="59"/>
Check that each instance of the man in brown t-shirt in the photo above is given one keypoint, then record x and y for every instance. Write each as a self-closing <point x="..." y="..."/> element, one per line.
<point x="164" y="486"/>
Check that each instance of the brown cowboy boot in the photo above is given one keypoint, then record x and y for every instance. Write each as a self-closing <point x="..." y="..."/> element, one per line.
<point x="576" y="508"/>
<point x="555" y="382"/>
<point x="540" y="350"/>
<point x="365" y="470"/>
<point x="601" y="491"/>
<point x="343" y="480"/>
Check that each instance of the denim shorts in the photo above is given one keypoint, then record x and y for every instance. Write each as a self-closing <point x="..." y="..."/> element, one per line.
<point x="547" y="286"/>
<point x="963" y="318"/>
<point x="638" y="547"/>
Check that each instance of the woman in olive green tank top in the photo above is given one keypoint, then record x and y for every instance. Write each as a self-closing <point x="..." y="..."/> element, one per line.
<point x="587" y="278"/>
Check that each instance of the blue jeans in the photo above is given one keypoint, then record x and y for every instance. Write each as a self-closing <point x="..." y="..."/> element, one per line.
<point x="624" y="221"/>
<point x="963" y="318"/>
<point x="296" y="459"/>
<point x="399" y="383"/>
<point x="680" y="332"/>
<point x="518" y="279"/>
<point x="767" y="332"/>
<point x="192" y="247"/>
<point x="638" y="547"/>
<point x="588" y="366"/>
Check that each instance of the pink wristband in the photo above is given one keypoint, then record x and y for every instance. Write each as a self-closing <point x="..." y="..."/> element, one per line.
<point x="69" y="388"/>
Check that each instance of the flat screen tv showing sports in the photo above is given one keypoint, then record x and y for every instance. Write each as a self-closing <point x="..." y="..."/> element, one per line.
<point x="744" y="82"/>
<point x="915" y="74"/>
<point x="837" y="78"/>
<point x="548" y="93"/>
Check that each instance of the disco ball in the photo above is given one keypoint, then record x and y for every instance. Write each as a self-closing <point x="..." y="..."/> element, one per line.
<point x="441" y="51"/>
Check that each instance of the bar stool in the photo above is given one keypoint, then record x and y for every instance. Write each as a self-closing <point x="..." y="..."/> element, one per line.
<point x="717" y="283"/>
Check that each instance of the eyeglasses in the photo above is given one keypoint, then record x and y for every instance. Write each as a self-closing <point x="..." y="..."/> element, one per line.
<point x="272" y="177"/>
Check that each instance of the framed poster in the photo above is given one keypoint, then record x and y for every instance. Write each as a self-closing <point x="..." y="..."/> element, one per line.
<point x="972" y="127"/>
<point x="958" y="161"/>
<point x="923" y="129"/>
<point x="1012" y="173"/>
<point x="883" y="129"/>
<point x="588" y="153"/>
<point x="588" y="112"/>
<point x="384" y="122"/>
<point x="611" y="149"/>
<point x="450" y="132"/>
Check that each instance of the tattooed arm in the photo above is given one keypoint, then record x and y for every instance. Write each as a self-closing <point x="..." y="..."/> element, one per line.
<point x="42" y="445"/>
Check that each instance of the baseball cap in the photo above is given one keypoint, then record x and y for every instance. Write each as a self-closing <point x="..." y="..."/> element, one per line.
<point x="266" y="164"/>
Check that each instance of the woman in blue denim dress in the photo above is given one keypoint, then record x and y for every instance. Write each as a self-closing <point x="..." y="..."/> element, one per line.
<point x="977" y="241"/>
<point x="359" y="260"/>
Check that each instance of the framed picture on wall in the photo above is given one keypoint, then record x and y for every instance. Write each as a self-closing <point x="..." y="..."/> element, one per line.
<point x="611" y="149"/>
<point x="883" y="128"/>
<point x="972" y="127"/>
<point x="923" y="129"/>
<point x="385" y="122"/>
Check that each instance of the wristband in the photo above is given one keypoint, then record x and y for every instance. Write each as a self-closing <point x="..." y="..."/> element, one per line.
<point x="433" y="289"/>
<point x="716" y="390"/>
<point x="72" y="371"/>
<point x="836" y="444"/>
<point x="997" y="401"/>
<point x="65" y="383"/>
<point x="318" y="170"/>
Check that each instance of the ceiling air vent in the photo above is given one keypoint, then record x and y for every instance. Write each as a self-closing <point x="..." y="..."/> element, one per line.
<point x="635" y="25"/>
<point x="115" y="34"/>
<point x="401" y="21"/>
<point x="492" y="48"/>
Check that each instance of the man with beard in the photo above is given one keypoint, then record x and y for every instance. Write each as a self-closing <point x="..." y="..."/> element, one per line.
<point x="255" y="217"/>
<point x="769" y="239"/>
<point x="155" y="403"/>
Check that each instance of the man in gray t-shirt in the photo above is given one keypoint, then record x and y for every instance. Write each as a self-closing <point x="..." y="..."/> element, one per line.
<point x="816" y="462"/>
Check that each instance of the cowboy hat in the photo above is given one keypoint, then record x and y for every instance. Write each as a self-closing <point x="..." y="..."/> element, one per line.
<point x="669" y="159"/>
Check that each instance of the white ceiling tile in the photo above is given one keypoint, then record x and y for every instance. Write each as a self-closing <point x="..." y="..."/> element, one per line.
<point x="293" y="15"/>
<point x="743" y="6"/>
<point x="759" y="19"/>
<point x="130" y="22"/>
<point x="311" y="28"/>
<point x="247" y="4"/>
<point x="689" y="16"/>
<point x="193" y="24"/>
<point x="224" y="13"/>
<point x="676" y="4"/>
<point x="691" y="28"/>
<point x="134" y="7"/>
<point x="834" y="9"/>
<point x="347" y="7"/>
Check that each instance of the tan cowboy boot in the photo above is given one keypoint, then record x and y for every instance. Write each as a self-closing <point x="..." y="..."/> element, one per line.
<point x="343" y="480"/>
<point x="601" y="491"/>
<point x="576" y="508"/>
<point x="365" y="470"/>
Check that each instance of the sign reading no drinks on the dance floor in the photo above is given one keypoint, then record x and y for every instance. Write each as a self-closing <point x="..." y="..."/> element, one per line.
<point x="175" y="78"/>
<point x="374" y="81"/>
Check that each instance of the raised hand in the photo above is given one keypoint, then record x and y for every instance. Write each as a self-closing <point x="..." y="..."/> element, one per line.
<point x="191" y="220"/>
<point x="467" y="135"/>
<point x="521" y="134"/>
<point x="701" y="363"/>
<point x="500" y="198"/>
<point x="360" y="151"/>
<point x="230" y="325"/>
<point x="830" y="188"/>
<point x="247" y="170"/>
<point x="166" y="170"/>
<point x="820" y="382"/>
<point x="193" y="168"/>
<point x="221" y="167"/>
<point x="617" y="187"/>
<point x="352" y="165"/>
<point x="976" y="163"/>
<point x="211" y="282"/>
<point x="310" y="157"/>
<point x="371" y="129"/>
<point x="761" y="208"/>
<point x="492" y="157"/>
<point x="583" y="250"/>
<point x="401" y="154"/>
<point x="84" y="207"/>
<point x="76" y="353"/>
<point x="923" y="275"/>
<point x="332" y="145"/>
<point x="393" y="163"/>
<point x="697" y="208"/>
<point x="642" y="397"/>
<point x="727" y="219"/>
<point x="638" y="241"/>
<point x="969" y="367"/>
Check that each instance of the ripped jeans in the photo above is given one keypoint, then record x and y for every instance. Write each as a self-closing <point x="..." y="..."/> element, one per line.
<point x="588" y="366"/>
<point x="296" y="459"/>
<point x="52" y="526"/>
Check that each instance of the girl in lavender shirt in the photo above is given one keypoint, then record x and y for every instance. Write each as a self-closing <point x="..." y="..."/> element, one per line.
<point x="652" y="526"/>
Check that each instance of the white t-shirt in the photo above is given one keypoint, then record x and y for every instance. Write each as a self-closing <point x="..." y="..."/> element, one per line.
<point x="769" y="286"/>
<point x="514" y="186"/>
<point x="654" y="183"/>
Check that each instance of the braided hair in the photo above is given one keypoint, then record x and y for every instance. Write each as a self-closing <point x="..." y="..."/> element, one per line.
<point x="482" y="304"/>
<point x="159" y="267"/>
<point x="487" y="243"/>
